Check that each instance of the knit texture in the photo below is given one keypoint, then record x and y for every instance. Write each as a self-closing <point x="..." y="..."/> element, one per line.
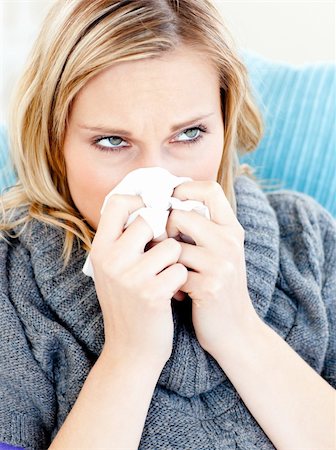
<point x="52" y="328"/>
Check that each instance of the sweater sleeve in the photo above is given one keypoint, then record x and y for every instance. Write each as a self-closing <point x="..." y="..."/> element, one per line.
<point x="27" y="397"/>
<point x="328" y="225"/>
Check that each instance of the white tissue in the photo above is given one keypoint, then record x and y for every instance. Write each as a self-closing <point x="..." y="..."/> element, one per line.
<point x="155" y="185"/>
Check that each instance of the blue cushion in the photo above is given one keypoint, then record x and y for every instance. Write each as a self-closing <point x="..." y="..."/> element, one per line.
<point x="298" y="150"/>
<point x="7" y="177"/>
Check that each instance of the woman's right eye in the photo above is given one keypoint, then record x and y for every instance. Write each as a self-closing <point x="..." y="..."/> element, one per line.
<point x="109" y="143"/>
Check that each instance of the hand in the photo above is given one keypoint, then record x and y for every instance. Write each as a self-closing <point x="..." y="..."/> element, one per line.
<point x="216" y="281"/>
<point x="134" y="287"/>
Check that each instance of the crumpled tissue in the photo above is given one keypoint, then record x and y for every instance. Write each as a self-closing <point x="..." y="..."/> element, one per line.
<point x="155" y="185"/>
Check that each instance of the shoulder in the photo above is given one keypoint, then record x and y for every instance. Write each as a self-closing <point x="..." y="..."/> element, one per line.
<point x="297" y="212"/>
<point x="19" y="228"/>
<point x="306" y="283"/>
<point x="305" y="228"/>
<point x="29" y="253"/>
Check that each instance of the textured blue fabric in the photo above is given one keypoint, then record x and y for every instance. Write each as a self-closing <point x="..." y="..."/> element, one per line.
<point x="298" y="150"/>
<point x="7" y="177"/>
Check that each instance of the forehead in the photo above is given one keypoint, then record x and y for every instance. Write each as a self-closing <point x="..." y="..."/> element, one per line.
<point x="181" y="76"/>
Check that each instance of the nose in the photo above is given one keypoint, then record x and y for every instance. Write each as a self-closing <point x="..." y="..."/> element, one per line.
<point x="152" y="157"/>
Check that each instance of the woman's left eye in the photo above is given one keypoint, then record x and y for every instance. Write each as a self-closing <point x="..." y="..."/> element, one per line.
<point x="193" y="134"/>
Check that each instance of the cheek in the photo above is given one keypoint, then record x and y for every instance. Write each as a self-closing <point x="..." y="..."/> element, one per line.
<point x="213" y="166"/>
<point x="217" y="156"/>
<point x="208" y="165"/>
<point x="89" y="183"/>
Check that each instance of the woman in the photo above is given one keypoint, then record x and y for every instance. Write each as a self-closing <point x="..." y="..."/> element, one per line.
<point x="227" y="343"/>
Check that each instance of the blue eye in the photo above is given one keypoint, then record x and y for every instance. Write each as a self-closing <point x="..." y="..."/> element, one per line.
<point x="193" y="133"/>
<point x="108" y="143"/>
<point x="113" y="143"/>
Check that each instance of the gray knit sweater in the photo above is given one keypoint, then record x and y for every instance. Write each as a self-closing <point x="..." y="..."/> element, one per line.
<point x="52" y="329"/>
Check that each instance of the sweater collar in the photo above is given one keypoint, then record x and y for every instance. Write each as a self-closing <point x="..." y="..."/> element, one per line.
<point x="73" y="304"/>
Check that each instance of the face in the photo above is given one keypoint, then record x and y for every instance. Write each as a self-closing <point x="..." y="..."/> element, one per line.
<point x="162" y="112"/>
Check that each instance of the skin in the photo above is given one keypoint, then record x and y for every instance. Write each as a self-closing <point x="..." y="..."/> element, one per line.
<point x="146" y="98"/>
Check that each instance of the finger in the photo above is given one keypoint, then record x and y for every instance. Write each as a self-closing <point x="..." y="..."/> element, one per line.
<point x="192" y="224"/>
<point x="112" y="221"/>
<point x="212" y="195"/>
<point x="194" y="257"/>
<point x="158" y="258"/>
<point x="174" y="276"/>
<point x="135" y="236"/>
<point x="179" y="296"/>
<point x="191" y="285"/>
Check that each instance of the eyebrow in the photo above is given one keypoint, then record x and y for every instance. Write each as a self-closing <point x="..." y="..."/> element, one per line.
<point x="106" y="130"/>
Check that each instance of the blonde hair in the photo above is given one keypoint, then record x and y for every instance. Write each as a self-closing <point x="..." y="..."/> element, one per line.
<point x="79" y="39"/>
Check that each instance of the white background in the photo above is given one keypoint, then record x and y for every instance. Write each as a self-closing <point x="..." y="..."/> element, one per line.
<point x="297" y="32"/>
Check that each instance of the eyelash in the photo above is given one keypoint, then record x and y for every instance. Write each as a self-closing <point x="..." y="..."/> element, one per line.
<point x="202" y="128"/>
